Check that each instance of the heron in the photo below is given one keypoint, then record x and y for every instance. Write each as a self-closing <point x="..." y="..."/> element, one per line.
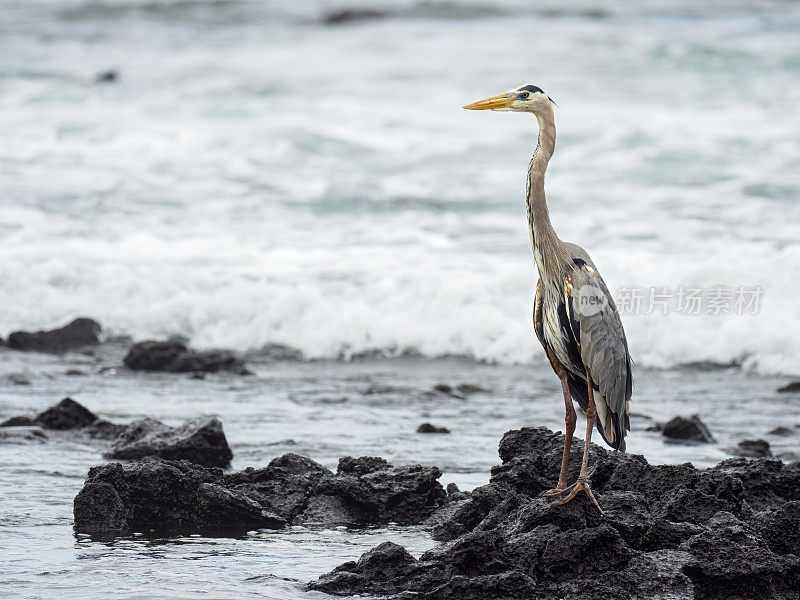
<point x="574" y="315"/>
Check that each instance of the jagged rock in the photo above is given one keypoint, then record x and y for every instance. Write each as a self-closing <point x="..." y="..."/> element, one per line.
<point x="669" y="531"/>
<point x="430" y="428"/>
<point x="67" y="414"/>
<point x="164" y="496"/>
<point x="793" y="386"/>
<point x="175" y="357"/>
<point x="70" y="415"/>
<point x="752" y="448"/>
<point x="781" y="529"/>
<point x="79" y="333"/>
<point x="406" y="494"/>
<point x="104" y="430"/>
<point x="199" y="440"/>
<point x="361" y="465"/>
<point x="291" y="489"/>
<point x="730" y="561"/>
<point x="691" y="429"/>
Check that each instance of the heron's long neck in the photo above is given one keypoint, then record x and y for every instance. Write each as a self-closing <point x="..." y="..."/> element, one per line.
<point x="549" y="252"/>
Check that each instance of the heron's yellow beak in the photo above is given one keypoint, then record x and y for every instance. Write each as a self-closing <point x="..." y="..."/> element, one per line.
<point x="501" y="101"/>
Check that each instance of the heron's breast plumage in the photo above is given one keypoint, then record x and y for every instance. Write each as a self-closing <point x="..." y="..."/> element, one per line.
<point x="558" y="333"/>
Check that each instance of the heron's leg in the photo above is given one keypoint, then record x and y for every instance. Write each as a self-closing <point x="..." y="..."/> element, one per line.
<point x="583" y="482"/>
<point x="569" y="425"/>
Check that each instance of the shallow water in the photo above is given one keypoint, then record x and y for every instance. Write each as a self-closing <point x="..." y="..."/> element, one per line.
<point x="323" y="410"/>
<point x="255" y="176"/>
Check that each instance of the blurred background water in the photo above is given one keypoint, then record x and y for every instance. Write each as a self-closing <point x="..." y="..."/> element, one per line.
<point x="258" y="175"/>
<point x="301" y="173"/>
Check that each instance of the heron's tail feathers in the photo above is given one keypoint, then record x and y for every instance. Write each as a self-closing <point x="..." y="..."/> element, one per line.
<point x="612" y="426"/>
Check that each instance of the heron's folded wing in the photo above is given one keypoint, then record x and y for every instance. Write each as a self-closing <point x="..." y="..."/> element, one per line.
<point x="598" y="328"/>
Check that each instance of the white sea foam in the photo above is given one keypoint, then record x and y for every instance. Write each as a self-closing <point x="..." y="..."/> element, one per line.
<point x="278" y="181"/>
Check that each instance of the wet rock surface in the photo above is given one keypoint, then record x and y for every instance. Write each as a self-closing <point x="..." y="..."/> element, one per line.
<point x="431" y="428"/>
<point x="669" y="531"/>
<point x="791" y="387"/>
<point x="752" y="448"/>
<point x="176" y="357"/>
<point x="158" y="494"/>
<point x="67" y="414"/>
<point x="199" y="440"/>
<point x="691" y="429"/>
<point x="78" y="334"/>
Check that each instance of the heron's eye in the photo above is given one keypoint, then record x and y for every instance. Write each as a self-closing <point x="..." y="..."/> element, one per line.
<point x="524" y="95"/>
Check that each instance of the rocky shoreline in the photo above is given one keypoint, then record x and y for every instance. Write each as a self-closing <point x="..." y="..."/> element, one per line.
<point x="181" y="497"/>
<point x="732" y="531"/>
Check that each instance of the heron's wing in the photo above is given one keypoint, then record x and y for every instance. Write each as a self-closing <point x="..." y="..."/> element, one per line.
<point x="597" y="326"/>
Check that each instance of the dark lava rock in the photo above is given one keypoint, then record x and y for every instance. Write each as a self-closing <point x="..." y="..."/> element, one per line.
<point x="442" y="389"/>
<point x="182" y="496"/>
<point x="781" y="431"/>
<point x="18" y="422"/>
<point x="669" y="531"/>
<point x="67" y="414"/>
<point x="165" y="496"/>
<point x="104" y="430"/>
<point x="175" y="357"/>
<point x="199" y="440"/>
<point x="793" y="386"/>
<point x="470" y="388"/>
<point x="79" y="333"/>
<point x="351" y="15"/>
<point x="730" y="561"/>
<point x="109" y="76"/>
<point x="70" y="415"/>
<point x="692" y="429"/>
<point x="430" y="428"/>
<point x="752" y="448"/>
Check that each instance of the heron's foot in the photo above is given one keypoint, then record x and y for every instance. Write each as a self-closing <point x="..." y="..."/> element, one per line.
<point x="557" y="491"/>
<point x="581" y="485"/>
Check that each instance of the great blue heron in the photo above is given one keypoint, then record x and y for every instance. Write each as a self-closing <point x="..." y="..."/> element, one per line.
<point x="574" y="314"/>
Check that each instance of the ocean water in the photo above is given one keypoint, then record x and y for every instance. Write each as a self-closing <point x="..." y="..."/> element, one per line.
<point x="323" y="410"/>
<point x="258" y="177"/>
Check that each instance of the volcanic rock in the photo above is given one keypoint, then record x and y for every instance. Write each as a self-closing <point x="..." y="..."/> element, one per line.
<point x="18" y="422"/>
<point x="164" y="496"/>
<point x="199" y="440"/>
<point x="793" y="386"/>
<point x="351" y="15"/>
<point x="175" y="357"/>
<point x="183" y="497"/>
<point x="79" y="333"/>
<point x="669" y="531"/>
<point x="752" y="448"/>
<point x="430" y="428"/>
<point x="67" y="414"/>
<point x="691" y="429"/>
<point x="70" y="415"/>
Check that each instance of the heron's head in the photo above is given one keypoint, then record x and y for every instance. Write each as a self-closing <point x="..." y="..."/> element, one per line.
<point x="526" y="98"/>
